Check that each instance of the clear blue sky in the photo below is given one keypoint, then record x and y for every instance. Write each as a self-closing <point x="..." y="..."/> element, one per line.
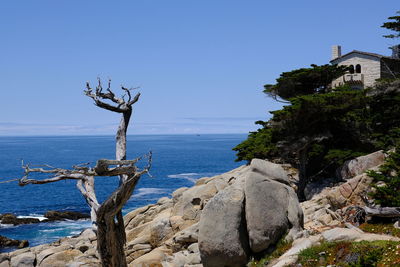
<point x="201" y="65"/>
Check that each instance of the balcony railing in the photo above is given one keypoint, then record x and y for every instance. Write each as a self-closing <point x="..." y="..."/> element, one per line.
<point x="353" y="78"/>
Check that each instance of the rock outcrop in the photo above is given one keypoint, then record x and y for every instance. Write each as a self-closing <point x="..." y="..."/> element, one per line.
<point x="185" y="229"/>
<point x="8" y="242"/>
<point x="249" y="216"/>
<point x="9" y="218"/>
<point x="272" y="207"/>
<point x="50" y="216"/>
<point x="54" y="215"/>
<point x="222" y="220"/>
<point x="75" y="251"/>
<point x="359" y="165"/>
<point x="223" y="239"/>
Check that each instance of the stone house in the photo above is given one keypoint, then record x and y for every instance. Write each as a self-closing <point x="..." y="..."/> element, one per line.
<point x="365" y="67"/>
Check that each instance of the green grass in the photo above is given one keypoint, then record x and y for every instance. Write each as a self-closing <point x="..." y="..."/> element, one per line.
<point x="380" y="228"/>
<point x="281" y="247"/>
<point x="352" y="254"/>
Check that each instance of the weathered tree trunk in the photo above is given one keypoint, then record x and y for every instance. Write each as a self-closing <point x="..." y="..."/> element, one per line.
<point x="384" y="212"/>
<point x="302" y="174"/>
<point x="111" y="230"/>
<point x="107" y="219"/>
<point x="87" y="189"/>
<point x="120" y="147"/>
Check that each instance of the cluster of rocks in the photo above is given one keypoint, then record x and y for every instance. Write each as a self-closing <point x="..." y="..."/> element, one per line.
<point x="218" y="216"/>
<point x="222" y="221"/>
<point x="75" y="251"/>
<point x="330" y="207"/>
<point x="326" y="213"/>
<point x="217" y="221"/>
<point x="8" y="242"/>
<point x="50" y="216"/>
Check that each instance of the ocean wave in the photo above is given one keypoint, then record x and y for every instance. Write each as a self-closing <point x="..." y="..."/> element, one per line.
<point x="3" y="225"/>
<point x="51" y="230"/>
<point x="192" y="176"/>
<point x="33" y="216"/>
<point x="148" y="191"/>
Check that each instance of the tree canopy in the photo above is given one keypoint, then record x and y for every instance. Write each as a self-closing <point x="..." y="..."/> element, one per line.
<point x="393" y="25"/>
<point x="318" y="132"/>
<point x="304" y="81"/>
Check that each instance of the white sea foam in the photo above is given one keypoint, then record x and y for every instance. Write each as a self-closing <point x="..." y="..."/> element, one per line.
<point x="50" y="230"/>
<point x="3" y="225"/>
<point x="148" y="191"/>
<point x="192" y="176"/>
<point x="34" y="216"/>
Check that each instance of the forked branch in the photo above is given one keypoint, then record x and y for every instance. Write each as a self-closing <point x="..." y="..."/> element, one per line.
<point x="79" y="172"/>
<point x="117" y="104"/>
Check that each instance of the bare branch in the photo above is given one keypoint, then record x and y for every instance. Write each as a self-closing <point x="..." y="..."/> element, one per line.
<point x="25" y="181"/>
<point x="99" y="96"/>
<point x="82" y="167"/>
<point x="127" y="92"/>
<point x="135" y="99"/>
<point x="117" y="200"/>
<point x="41" y="170"/>
<point x="87" y="190"/>
<point x="388" y="212"/>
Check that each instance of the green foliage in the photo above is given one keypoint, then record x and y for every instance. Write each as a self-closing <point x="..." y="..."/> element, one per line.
<point x="329" y="124"/>
<point x="393" y="25"/>
<point x="259" y="144"/>
<point x="318" y="132"/>
<point x="316" y="79"/>
<point x="380" y="228"/>
<point x="351" y="254"/>
<point x="280" y="248"/>
<point x="386" y="193"/>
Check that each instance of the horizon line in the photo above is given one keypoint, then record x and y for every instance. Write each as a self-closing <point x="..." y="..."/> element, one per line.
<point x="144" y="134"/>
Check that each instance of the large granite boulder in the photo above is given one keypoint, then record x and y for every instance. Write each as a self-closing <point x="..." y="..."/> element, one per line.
<point x="249" y="216"/>
<point x="222" y="237"/>
<point x="359" y="165"/>
<point x="23" y="260"/>
<point x="272" y="207"/>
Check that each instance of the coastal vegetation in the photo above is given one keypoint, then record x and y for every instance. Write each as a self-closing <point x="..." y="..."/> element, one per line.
<point x="387" y="181"/>
<point x="352" y="254"/>
<point x="317" y="131"/>
<point x="320" y="127"/>
<point x="393" y="25"/>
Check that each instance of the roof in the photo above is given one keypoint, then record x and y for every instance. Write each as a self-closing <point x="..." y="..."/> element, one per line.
<point x="362" y="53"/>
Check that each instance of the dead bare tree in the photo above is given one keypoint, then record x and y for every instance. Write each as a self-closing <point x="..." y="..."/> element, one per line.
<point x="107" y="219"/>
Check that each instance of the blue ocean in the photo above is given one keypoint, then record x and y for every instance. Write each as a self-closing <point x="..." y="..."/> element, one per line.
<point x="178" y="160"/>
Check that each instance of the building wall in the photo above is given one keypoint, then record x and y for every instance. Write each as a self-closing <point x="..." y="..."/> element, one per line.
<point x="370" y="68"/>
<point x="390" y="68"/>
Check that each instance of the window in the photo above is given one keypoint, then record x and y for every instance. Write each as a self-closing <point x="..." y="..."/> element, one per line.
<point x="351" y="68"/>
<point x="358" y="68"/>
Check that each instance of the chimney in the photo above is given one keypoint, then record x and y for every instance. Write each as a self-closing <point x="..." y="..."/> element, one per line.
<point x="336" y="51"/>
<point x="396" y="51"/>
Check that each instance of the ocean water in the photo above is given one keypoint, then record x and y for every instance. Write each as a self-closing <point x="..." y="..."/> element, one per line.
<point x="178" y="160"/>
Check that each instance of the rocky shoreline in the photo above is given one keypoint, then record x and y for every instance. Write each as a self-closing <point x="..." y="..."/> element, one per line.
<point x="222" y="220"/>
<point x="50" y="216"/>
<point x="8" y="242"/>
